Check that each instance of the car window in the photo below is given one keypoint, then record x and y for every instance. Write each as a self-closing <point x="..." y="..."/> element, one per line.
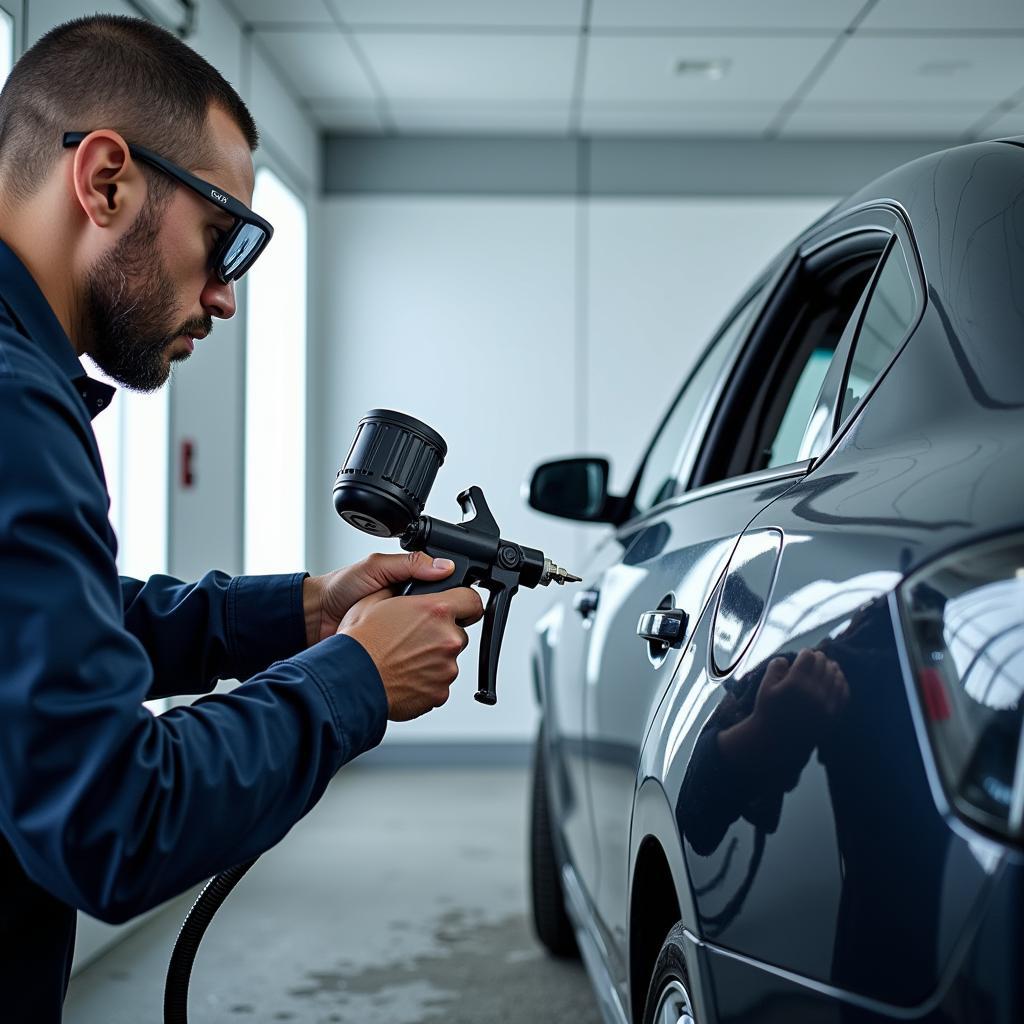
<point x="887" y="318"/>
<point x="660" y="477"/>
<point x="775" y="395"/>
<point x="786" y="446"/>
<point x="782" y="397"/>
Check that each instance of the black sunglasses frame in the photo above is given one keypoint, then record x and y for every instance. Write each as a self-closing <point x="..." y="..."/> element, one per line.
<point x="218" y="197"/>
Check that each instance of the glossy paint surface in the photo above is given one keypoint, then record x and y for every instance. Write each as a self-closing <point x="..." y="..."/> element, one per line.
<point x="815" y="859"/>
<point x="672" y="561"/>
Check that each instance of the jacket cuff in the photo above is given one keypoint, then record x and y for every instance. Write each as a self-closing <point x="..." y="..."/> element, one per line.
<point x="352" y="687"/>
<point x="265" y="621"/>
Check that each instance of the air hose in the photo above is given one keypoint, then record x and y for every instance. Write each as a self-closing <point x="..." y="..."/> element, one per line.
<point x="193" y="928"/>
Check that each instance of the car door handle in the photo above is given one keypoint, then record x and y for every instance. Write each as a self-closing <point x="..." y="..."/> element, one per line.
<point x="585" y="602"/>
<point x="665" y="627"/>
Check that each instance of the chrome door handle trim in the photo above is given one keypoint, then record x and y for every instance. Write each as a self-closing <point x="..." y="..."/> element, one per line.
<point x="665" y="627"/>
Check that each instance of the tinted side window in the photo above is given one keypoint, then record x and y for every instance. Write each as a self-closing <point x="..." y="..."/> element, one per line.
<point x="660" y="476"/>
<point x="774" y="393"/>
<point x="887" y="318"/>
<point x="786" y="446"/>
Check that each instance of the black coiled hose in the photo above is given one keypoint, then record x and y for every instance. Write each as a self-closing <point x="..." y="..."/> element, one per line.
<point x="193" y="928"/>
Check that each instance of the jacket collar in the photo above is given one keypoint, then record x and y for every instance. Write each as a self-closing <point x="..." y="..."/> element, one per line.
<point x="34" y="318"/>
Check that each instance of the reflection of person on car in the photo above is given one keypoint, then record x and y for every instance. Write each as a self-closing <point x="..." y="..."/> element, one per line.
<point x="757" y="742"/>
<point x="843" y="697"/>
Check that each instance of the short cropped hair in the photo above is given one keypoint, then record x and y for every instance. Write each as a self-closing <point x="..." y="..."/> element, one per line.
<point x="110" y="71"/>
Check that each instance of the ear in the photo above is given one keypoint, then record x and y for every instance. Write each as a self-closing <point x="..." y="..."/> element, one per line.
<point x="108" y="184"/>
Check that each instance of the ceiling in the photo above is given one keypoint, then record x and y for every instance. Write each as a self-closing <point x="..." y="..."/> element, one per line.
<point x="875" y="69"/>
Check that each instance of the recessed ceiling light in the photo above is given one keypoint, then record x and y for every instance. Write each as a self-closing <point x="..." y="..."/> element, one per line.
<point x="713" y="69"/>
<point x="943" y="68"/>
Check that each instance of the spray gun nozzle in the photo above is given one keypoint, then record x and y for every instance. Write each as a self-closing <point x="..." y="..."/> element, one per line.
<point x="556" y="574"/>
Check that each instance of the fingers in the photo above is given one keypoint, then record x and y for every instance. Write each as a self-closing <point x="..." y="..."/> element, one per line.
<point x="776" y="670"/>
<point x="464" y="604"/>
<point x="839" y="689"/>
<point x="415" y="642"/>
<point x="359" y="609"/>
<point x="807" y="661"/>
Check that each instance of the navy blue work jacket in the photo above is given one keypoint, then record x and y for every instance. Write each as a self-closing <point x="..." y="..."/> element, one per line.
<point x="103" y="806"/>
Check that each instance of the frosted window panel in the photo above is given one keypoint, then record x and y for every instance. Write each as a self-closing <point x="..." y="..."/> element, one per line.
<point x="275" y="386"/>
<point x="133" y="438"/>
<point x="144" y="494"/>
<point x="6" y="45"/>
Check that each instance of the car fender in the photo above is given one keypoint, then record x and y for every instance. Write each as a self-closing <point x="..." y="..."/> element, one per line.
<point x="653" y="817"/>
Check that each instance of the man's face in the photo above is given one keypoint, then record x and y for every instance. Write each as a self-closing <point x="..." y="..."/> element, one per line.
<point x="153" y="294"/>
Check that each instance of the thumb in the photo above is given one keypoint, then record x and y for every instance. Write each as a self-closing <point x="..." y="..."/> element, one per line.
<point x="414" y="566"/>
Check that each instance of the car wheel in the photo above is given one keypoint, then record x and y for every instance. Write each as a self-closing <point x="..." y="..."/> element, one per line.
<point x="668" y="998"/>
<point x="550" y="921"/>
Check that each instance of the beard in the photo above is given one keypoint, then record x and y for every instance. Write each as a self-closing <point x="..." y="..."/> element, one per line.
<point x="129" y="302"/>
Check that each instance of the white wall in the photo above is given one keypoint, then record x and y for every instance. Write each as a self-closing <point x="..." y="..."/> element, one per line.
<point x="460" y="313"/>
<point x="661" y="276"/>
<point x="520" y="329"/>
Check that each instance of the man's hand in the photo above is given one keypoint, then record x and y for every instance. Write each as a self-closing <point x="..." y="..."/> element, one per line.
<point x="794" y="709"/>
<point x="327" y="599"/>
<point x="801" y="698"/>
<point x="415" y="643"/>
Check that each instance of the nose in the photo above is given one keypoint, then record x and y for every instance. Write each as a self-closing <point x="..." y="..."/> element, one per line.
<point x="218" y="298"/>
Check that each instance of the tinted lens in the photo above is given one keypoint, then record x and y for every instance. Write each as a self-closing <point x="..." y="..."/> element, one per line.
<point x="242" y="248"/>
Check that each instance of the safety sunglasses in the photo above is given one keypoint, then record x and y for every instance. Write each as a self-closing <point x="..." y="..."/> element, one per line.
<point x="237" y="250"/>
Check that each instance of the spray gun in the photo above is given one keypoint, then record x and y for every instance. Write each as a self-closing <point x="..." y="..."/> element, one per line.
<point x="382" y="489"/>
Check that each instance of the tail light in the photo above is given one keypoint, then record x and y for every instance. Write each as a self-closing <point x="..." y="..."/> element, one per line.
<point x="964" y="621"/>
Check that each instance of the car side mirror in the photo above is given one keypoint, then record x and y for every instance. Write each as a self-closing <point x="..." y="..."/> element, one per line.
<point x="574" y="489"/>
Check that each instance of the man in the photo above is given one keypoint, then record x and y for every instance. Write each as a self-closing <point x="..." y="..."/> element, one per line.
<point x="125" y="178"/>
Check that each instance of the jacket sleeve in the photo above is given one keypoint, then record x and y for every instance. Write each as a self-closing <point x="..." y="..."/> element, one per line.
<point x="107" y="807"/>
<point x="222" y="627"/>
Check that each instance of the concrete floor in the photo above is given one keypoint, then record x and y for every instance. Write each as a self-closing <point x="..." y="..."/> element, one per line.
<point x="400" y="898"/>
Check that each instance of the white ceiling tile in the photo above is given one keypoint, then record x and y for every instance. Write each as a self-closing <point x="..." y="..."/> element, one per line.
<point x="935" y="121"/>
<point x="644" y="69"/>
<point x="320" y="65"/>
<point x="677" y="120"/>
<point x="347" y="117"/>
<point x="292" y="12"/>
<point x="722" y="14"/>
<point x="481" y="118"/>
<point x="919" y="69"/>
<point x="456" y="67"/>
<point x="441" y="13"/>
<point x="946" y="14"/>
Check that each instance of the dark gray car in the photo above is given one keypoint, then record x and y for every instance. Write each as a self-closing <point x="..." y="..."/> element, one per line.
<point x="777" y="776"/>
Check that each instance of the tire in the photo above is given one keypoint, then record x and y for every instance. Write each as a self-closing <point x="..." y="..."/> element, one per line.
<point x="550" y="921"/>
<point x="669" y="996"/>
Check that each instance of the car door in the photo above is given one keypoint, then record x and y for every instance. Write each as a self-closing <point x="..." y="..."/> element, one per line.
<point x="840" y="840"/>
<point x="675" y="552"/>
<point x="669" y="456"/>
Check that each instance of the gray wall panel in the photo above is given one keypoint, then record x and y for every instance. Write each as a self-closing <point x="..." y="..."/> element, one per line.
<point x="449" y="166"/>
<point x="606" y="166"/>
